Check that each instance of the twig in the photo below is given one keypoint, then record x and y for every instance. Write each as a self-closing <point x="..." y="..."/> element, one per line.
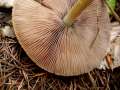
<point x="113" y="12"/>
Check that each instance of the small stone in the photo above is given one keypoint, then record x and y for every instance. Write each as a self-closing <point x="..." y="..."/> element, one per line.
<point x="6" y="3"/>
<point x="7" y="31"/>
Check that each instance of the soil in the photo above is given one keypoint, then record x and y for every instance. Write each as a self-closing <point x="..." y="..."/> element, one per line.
<point x="18" y="72"/>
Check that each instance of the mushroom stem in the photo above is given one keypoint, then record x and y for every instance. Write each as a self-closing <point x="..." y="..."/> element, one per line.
<point x="75" y="11"/>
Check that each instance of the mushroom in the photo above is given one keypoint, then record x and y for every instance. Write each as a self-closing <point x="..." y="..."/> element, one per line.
<point x="59" y="36"/>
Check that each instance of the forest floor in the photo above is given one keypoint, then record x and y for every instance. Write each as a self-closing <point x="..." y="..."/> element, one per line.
<point x="18" y="72"/>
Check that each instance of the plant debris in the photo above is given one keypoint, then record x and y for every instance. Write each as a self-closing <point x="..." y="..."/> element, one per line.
<point x="18" y="72"/>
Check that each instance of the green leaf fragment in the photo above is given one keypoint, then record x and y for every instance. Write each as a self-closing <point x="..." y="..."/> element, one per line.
<point x="112" y="4"/>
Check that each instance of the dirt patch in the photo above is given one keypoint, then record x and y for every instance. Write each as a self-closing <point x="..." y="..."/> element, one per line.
<point x="18" y="72"/>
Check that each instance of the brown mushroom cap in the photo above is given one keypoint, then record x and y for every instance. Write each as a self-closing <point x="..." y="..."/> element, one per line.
<point x="56" y="48"/>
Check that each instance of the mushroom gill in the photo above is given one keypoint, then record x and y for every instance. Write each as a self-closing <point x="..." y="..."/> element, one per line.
<point x="54" y="46"/>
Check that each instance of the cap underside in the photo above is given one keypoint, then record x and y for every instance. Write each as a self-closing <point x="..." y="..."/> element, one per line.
<point x="53" y="46"/>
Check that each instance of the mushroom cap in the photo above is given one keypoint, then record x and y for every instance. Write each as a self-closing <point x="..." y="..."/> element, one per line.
<point x="56" y="48"/>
